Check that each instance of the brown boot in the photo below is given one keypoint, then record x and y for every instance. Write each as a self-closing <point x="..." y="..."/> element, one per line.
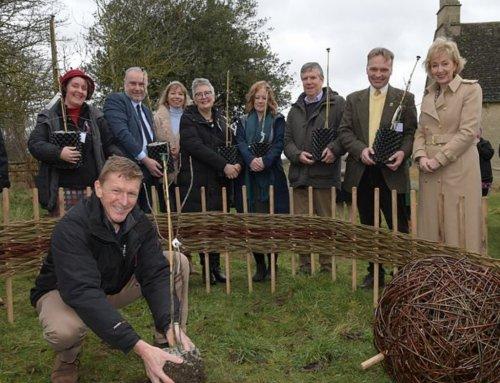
<point x="64" y="372"/>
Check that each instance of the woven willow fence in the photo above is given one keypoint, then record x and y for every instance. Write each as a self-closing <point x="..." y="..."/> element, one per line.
<point x="24" y="244"/>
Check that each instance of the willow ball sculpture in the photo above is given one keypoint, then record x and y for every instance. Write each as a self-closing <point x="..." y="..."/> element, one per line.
<point x="439" y="321"/>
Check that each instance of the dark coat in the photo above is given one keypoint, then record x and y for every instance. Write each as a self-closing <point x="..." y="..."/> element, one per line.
<point x="272" y="163"/>
<point x="486" y="153"/>
<point x="4" y="165"/>
<point x="88" y="261"/>
<point x="353" y="135"/>
<point x="50" y="120"/>
<point x="298" y="138"/>
<point x="199" y="142"/>
<point x="124" y="122"/>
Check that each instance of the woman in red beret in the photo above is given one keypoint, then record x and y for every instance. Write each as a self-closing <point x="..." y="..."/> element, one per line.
<point x="97" y="143"/>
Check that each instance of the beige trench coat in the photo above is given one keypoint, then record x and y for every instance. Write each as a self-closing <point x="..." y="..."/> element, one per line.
<point x="163" y="132"/>
<point x="447" y="131"/>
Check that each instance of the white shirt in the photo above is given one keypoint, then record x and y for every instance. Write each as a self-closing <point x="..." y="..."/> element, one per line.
<point x="144" y="151"/>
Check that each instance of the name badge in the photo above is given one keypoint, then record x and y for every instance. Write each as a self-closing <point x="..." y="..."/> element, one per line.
<point x="399" y="127"/>
<point x="83" y="137"/>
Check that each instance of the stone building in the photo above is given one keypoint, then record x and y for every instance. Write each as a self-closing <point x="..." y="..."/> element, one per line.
<point x="479" y="43"/>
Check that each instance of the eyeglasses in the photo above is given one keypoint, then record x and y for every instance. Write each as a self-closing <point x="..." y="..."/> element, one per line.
<point x="208" y="93"/>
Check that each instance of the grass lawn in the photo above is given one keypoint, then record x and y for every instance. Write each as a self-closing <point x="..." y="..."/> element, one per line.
<point x="311" y="330"/>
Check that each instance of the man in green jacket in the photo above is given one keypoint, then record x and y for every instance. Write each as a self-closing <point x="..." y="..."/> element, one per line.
<point x="307" y="114"/>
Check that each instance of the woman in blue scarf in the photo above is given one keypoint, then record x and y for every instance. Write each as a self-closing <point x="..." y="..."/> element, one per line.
<point x="260" y="140"/>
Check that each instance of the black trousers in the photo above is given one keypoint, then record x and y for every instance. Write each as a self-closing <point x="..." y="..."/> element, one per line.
<point x="373" y="178"/>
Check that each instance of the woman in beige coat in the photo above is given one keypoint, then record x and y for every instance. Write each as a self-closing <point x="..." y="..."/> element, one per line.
<point x="171" y="105"/>
<point x="445" y="149"/>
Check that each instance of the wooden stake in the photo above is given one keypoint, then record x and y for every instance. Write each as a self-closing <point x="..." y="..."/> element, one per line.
<point x="461" y="222"/>
<point x="53" y="49"/>
<point x="9" y="296"/>
<point x="154" y="197"/>
<point x="61" y="202"/>
<point x="294" y="256"/>
<point x="394" y="210"/>
<point x="178" y="205"/>
<point x="376" y="225"/>
<point x="249" y="254"/>
<point x="413" y="210"/>
<point x="333" y="202"/>
<point x="36" y="206"/>
<point x="273" y="255"/>
<point x="373" y="360"/>
<point x="226" y="254"/>
<point x="354" y="212"/>
<point x="310" y="200"/>
<point x="205" y="254"/>
<point x="484" y="209"/>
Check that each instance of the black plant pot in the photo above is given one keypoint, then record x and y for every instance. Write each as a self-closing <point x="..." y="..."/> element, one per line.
<point x="387" y="142"/>
<point x="259" y="149"/>
<point x="230" y="153"/>
<point x="157" y="149"/>
<point x="61" y="139"/>
<point x="320" y="140"/>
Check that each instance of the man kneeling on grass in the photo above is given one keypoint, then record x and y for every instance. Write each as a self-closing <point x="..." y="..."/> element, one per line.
<point x="104" y="254"/>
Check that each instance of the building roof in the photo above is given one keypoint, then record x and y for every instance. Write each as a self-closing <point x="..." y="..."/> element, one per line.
<point x="479" y="43"/>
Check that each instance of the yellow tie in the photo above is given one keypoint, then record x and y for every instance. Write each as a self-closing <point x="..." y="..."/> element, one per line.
<point x="377" y="100"/>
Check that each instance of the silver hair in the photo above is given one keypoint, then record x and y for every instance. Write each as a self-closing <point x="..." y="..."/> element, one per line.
<point x="197" y="82"/>
<point x="136" y="69"/>
<point x="311" y="66"/>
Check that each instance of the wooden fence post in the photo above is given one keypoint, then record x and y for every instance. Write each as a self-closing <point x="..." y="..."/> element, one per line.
<point x="484" y="209"/>
<point x="226" y="254"/>
<point x="354" y="211"/>
<point x="9" y="296"/>
<point x="376" y="225"/>
<point x="62" y="207"/>
<point x="394" y="211"/>
<point x="310" y="200"/>
<point x="333" y="202"/>
<point x="205" y="254"/>
<point x="249" y="254"/>
<point x="36" y="206"/>
<point x="273" y="255"/>
<point x="413" y="213"/>
<point x="292" y="210"/>
<point x="154" y="198"/>
<point x="178" y="204"/>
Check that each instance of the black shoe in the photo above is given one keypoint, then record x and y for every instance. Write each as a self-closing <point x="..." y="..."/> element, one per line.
<point x="218" y="275"/>
<point x="260" y="273"/>
<point x="305" y="269"/>
<point x="369" y="279"/>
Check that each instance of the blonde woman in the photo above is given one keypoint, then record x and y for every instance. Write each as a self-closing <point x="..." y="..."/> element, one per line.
<point x="171" y="105"/>
<point x="445" y="148"/>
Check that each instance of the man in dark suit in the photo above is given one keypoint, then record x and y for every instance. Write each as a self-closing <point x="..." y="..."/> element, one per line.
<point x="365" y="111"/>
<point x="132" y="124"/>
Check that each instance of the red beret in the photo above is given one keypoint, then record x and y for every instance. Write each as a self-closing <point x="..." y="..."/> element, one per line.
<point x="78" y="73"/>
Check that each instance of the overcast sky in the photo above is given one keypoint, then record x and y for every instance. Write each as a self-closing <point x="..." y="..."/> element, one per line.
<point x="302" y="30"/>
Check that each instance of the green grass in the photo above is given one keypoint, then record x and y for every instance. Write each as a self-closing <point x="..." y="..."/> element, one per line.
<point x="311" y="330"/>
<point x="310" y="323"/>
